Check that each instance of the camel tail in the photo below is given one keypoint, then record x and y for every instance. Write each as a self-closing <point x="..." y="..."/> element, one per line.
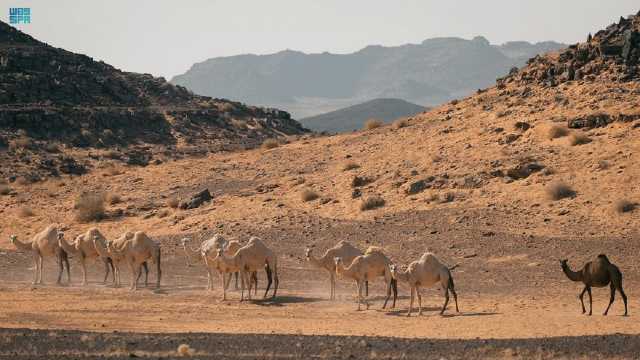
<point x="451" y="284"/>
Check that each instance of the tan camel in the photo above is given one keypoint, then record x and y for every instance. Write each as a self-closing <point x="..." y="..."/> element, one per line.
<point x="134" y="249"/>
<point x="83" y="246"/>
<point x="598" y="273"/>
<point x="426" y="272"/>
<point x="374" y="263"/>
<point x="230" y="265"/>
<point x="207" y="250"/>
<point x="45" y="244"/>
<point x="343" y="250"/>
<point x="252" y="257"/>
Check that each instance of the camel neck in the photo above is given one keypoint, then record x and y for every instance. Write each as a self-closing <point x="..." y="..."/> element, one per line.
<point x="572" y="275"/>
<point x="315" y="261"/>
<point x="22" y="246"/>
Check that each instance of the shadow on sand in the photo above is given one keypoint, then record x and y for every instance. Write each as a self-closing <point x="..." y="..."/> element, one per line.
<point x="283" y="300"/>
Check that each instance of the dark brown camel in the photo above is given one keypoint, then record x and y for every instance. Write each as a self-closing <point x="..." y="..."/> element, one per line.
<point x="598" y="273"/>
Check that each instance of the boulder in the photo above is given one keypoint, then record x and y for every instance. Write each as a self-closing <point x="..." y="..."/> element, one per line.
<point x="418" y="186"/>
<point x="523" y="171"/>
<point x="590" y="121"/>
<point x="197" y="200"/>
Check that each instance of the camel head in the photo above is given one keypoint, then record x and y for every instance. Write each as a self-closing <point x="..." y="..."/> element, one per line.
<point x="307" y="253"/>
<point x="337" y="261"/>
<point x="220" y="253"/>
<point x="184" y="241"/>
<point x="13" y="239"/>
<point x="563" y="263"/>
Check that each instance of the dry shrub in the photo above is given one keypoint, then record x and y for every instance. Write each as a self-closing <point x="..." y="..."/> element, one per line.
<point x="90" y="207"/>
<point x="372" y="202"/>
<point x="350" y="166"/>
<point x="25" y="212"/>
<point x="557" y="132"/>
<point x="359" y="181"/>
<point x="20" y="143"/>
<point x="372" y="124"/>
<point x="163" y="213"/>
<point x="5" y="189"/>
<point x="560" y="190"/>
<point x="579" y="139"/>
<point x="173" y="202"/>
<point x="113" y="199"/>
<point x="23" y="180"/>
<point x="52" y="147"/>
<point x="270" y="144"/>
<point x="448" y="197"/>
<point x="185" y="350"/>
<point x="603" y="165"/>
<point x="401" y="123"/>
<point x="308" y="195"/>
<point x="623" y="206"/>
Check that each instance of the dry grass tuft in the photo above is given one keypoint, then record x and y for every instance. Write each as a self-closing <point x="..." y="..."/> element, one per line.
<point x="350" y="166"/>
<point x="185" y="350"/>
<point x="270" y="144"/>
<point x="173" y="202"/>
<point x="372" y="124"/>
<point x="113" y="199"/>
<point x="560" y="190"/>
<point x="579" y="139"/>
<point x="557" y="132"/>
<point x="90" y="207"/>
<point x="624" y="206"/>
<point x="372" y="202"/>
<point x="25" y="211"/>
<point x="401" y="123"/>
<point x="5" y="189"/>
<point x="308" y="195"/>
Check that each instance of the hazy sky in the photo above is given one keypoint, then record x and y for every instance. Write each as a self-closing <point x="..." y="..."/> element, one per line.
<point x="165" y="37"/>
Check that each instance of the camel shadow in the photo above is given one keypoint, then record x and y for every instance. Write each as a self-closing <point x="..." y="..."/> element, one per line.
<point x="403" y="312"/>
<point x="462" y="314"/>
<point x="284" y="300"/>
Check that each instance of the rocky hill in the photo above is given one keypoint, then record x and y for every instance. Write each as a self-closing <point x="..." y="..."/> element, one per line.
<point x="354" y="117"/>
<point x="51" y="98"/>
<point x="429" y="73"/>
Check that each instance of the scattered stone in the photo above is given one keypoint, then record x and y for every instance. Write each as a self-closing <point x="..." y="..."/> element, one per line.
<point x="197" y="200"/>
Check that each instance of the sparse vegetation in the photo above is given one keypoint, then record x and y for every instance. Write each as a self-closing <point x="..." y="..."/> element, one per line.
<point x="372" y="202"/>
<point x="5" y="189"/>
<point x="372" y="124"/>
<point x="579" y="139"/>
<point x="25" y="211"/>
<point x="52" y="147"/>
<point x="113" y="199"/>
<point x="360" y="181"/>
<point x="163" y="213"/>
<point x="401" y="123"/>
<point x="603" y="165"/>
<point x="90" y="207"/>
<point x="350" y="165"/>
<point x="173" y="202"/>
<point x="560" y="190"/>
<point x="557" y="132"/>
<point x="308" y="195"/>
<point x="624" y="206"/>
<point x="20" y="143"/>
<point x="270" y="144"/>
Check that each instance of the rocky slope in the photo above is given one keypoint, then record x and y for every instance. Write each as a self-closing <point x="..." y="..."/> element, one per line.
<point x="354" y="117"/>
<point x="50" y="98"/>
<point x="429" y="73"/>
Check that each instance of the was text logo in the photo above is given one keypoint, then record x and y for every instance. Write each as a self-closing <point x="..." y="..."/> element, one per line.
<point x="19" y="15"/>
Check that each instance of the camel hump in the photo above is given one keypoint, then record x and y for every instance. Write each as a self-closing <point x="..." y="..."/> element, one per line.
<point x="374" y="250"/>
<point x="603" y="257"/>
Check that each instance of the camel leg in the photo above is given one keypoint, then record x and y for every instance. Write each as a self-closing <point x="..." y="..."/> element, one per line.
<point x="146" y="274"/>
<point x="235" y="274"/>
<point x="254" y="279"/>
<point x="624" y="298"/>
<point x="611" y="299"/>
<point x="366" y="288"/>
<point x="419" y="300"/>
<point x="411" y="301"/>
<point x="158" y="261"/>
<point x="36" y="268"/>
<point x="582" y="300"/>
<point x="135" y="273"/>
<point x="242" y="284"/>
<point x="446" y="300"/>
<point x="60" y="268"/>
<point x="590" y="301"/>
<point x="83" y="264"/>
<point x="389" y="286"/>
<point x="267" y="269"/>
<point x="65" y="259"/>
<point x="359" y="289"/>
<point x="394" y="282"/>
<point x="331" y="286"/>
<point x="108" y="265"/>
<point x="276" y="282"/>
<point x="224" y="286"/>
<point x="40" y="281"/>
<point x="455" y="297"/>
<point x="616" y="283"/>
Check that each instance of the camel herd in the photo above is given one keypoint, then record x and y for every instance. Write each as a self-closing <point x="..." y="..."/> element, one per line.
<point x="231" y="258"/>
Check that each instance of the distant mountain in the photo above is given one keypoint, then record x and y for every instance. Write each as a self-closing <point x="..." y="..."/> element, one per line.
<point x="50" y="96"/>
<point x="307" y="84"/>
<point x="354" y="117"/>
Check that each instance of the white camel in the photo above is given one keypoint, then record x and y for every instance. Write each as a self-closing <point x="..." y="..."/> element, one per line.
<point x="45" y="244"/>
<point x="426" y="272"/>
<point x="343" y="250"/>
<point x="83" y="246"/>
